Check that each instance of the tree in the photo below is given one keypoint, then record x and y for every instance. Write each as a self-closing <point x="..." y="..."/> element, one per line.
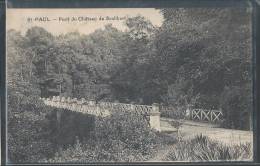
<point x="198" y="48"/>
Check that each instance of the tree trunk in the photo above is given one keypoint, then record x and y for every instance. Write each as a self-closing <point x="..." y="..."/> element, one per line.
<point x="60" y="89"/>
<point x="31" y="66"/>
<point x="46" y="66"/>
<point x="22" y="73"/>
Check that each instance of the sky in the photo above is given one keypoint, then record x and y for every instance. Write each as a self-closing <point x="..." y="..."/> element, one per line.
<point x="84" y="21"/>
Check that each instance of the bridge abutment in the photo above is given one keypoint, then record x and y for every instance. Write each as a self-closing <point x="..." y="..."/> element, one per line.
<point x="58" y="115"/>
<point x="155" y="117"/>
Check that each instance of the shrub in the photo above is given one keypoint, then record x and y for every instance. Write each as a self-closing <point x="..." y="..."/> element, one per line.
<point x="80" y="153"/>
<point x="87" y="153"/>
<point x="131" y="129"/>
<point x="237" y="105"/>
<point x="27" y="141"/>
<point x="120" y="137"/>
<point x="201" y="148"/>
<point x="70" y="125"/>
<point x="176" y="112"/>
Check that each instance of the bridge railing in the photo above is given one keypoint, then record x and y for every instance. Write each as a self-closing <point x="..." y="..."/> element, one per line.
<point x="105" y="108"/>
<point x="126" y="107"/>
<point x="76" y="105"/>
<point x="206" y="115"/>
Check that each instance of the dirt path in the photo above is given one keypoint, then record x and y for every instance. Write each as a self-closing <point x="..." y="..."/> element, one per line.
<point x="190" y="129"/>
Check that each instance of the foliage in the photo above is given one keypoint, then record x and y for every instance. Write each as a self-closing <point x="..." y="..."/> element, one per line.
<point x="27" y="134"/>
<point x="121" y="137"/>
<point x="187" y="62"/>
<point x="174" y="112"/>
<point x="127" y="136"/>
<point x="201" y="148"/>
<point x="27" y="140"/>
<point x="131" y="128"/>
<point x="71" y="125"/>
<point x="237" y="107"/>
<point x="199" y="65"/>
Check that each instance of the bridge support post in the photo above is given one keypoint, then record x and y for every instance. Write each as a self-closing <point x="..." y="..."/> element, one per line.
<point x="98" y="110"/>
<point x="58" y="115"/>
<point x="92" y="102"/>
<point x="155" y="117"/>
<point x="188" y="113"/>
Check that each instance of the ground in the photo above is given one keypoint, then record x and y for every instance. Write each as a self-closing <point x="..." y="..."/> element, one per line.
<point x="189" y="129"/>
<point x="227" y="136"/>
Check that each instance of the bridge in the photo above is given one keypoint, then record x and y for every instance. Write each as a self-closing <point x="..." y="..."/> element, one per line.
<point x="105" y="109"/>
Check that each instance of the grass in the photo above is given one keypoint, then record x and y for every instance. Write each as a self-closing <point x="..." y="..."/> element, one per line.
<point x="201" y="148"/>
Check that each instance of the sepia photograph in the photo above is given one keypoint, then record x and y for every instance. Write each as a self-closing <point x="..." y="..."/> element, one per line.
<point x="92" y="85"/>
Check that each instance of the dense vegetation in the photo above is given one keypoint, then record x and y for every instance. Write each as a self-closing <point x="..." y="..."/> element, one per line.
<point x="197" y="58"/>
<point x="121" y="137"/>
<point x="201" y="148"/>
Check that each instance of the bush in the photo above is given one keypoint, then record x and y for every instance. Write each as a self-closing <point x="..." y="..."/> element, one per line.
<point x="70" y="125"/>
<point x="87" y="153"/>
<point x="131" y="129"/>
<point x="201" y="148"/>
<point x="176" y="112"/>
<point x="237" y="105"/>
<point x="27" y="137"/>
<point x="78" y="153"/>
<point x="120" y="137"/>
